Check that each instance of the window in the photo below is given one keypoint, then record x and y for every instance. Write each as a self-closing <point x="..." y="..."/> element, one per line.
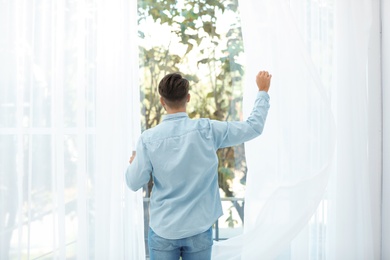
<point x="203" y="41"/>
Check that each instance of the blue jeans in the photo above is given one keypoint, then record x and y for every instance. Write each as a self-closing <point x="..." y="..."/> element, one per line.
<point x="197" y="247"/>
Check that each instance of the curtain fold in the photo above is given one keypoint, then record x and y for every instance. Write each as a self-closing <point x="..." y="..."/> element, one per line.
<point x="385" y="61"/>
<point x="309" y="196"/>
<point x="289" y="165"/>
<point x="68" y="81"/>
<point x="354" y="225"/>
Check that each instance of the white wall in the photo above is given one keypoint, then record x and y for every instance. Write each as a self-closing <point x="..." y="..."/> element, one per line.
<point x="386" y="129"/>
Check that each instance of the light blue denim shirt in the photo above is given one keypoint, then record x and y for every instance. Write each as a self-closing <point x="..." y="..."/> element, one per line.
<point x="180" y="154"/>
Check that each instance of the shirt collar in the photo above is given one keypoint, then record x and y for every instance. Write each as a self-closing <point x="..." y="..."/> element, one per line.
<point x="174" y="116"/>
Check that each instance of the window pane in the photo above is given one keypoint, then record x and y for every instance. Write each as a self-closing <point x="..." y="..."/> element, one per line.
<point x="7" y="88"/>
<point x="8" y="191"/>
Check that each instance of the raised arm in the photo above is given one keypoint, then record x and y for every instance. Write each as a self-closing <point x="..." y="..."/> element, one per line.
<point x="236" y="132"/>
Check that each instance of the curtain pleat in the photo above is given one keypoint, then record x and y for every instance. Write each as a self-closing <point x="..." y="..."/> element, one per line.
<point x="385" y="91"/>
<point x="354" y="220"/>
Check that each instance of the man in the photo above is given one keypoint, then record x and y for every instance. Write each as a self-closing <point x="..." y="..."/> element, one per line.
<point x="180" y="155"/>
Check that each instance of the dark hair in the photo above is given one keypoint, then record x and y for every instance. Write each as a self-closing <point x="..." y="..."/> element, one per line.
<point x="174" y="89"/>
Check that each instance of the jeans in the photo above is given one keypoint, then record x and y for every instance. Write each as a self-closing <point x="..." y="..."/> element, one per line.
<point x="197" y="247"/>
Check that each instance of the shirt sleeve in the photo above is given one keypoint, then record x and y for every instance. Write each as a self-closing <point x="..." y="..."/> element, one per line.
<point x="139" y="171"/>
<point x="236" y="132"/>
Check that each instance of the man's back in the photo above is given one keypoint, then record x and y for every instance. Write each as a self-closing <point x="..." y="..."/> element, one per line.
<point x="185" y="197"/>
<point x="180" y="153"/>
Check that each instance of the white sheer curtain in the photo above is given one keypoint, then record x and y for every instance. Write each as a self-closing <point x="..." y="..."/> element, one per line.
<point x="322" y="91"/>
<point x="385" y="4"/>
<point x="355" y="187"/>
<point x="68" y="76"/>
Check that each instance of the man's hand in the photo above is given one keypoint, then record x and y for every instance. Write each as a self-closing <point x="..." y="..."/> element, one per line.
<point x="263" y="80"/>
<point x="132" y="157"/>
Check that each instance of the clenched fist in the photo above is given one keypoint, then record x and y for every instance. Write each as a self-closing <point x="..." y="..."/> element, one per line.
<point x="263" y="80"/>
